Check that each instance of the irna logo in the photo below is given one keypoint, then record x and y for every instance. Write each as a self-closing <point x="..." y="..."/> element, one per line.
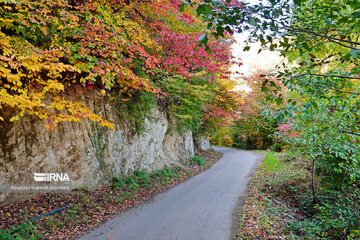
<point x="51" y="177"/>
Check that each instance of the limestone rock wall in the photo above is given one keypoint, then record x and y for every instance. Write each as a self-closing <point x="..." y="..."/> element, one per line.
<point x="92" y="155"/>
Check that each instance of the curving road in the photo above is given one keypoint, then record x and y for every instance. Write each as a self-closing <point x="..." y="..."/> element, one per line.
<point x="200" y="208"/>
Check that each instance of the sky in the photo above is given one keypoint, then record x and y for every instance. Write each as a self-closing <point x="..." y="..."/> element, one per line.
<point x="251" y="60"/>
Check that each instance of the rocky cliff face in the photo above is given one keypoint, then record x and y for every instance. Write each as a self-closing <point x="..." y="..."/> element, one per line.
<point x="90" y="154"/>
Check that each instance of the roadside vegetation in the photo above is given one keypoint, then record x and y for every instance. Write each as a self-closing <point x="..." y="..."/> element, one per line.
<point x="89" y="208"/>
<point x="310" y="103"/>
<point x="280" y="203"/>
<point x="140" y="54"/>
<point x="307" y="108"/>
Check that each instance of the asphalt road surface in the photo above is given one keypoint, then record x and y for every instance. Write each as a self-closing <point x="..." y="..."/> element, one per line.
<point x="201" y="208"/>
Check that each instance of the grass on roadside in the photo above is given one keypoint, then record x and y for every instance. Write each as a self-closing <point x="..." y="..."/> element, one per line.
<point x="270" y="207"/>
<point x="280" y="204"/>
<point x="271" y="161"/>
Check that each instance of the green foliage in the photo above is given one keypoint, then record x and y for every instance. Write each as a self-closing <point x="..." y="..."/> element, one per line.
<point x="262" y="138"/>
<point x="269" y="209"/>
<point x="324" y="85"/>
<point x="83" y="188"/>
<point x="280" y="192"/>
<point x="128" y="194"/>
<point x="186" y="100"/>
<point x="322" y="137"/>
<point x="138" y="179"/>
<point x="137" y="109"/>
<point x="256" y="128"/>
<point x="222" y="113"/>
<point x="321" y="41"/>
<point x="196" y="160"/>
<point x="99" y="143"/>
<point x="271" y="161"/>
<point x="142" y="179"/>
<point x="24" y="231"/>
<point x="132" y="185"/>
<point x="277" y="147"/>
<point x="53" y="222"/>
<point x="336" y="215"/>
<point x="163" y="174"/>
<point x="118" y="183"/>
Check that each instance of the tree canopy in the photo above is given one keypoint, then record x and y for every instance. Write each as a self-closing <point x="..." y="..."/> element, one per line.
<point x="321" y="40"/>
<point x="117" y="47"/>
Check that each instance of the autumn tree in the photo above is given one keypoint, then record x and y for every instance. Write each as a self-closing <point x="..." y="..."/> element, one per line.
<point x="126" y="48"/>
<point x="321" y="41"/>
<point x="257" y="127"/>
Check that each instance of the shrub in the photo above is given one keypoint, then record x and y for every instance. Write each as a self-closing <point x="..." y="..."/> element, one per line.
<point x="137" y="109"/>
<point x="336" y="215"/>
<point x="24" y="231"/>
<point x="277" y="147"/>
<point x="131" y="183"/>
<point x="118" y="183"/>
<point x="142" y="178"/>
<point x="138" y="179"/>
<point x="197" y="161"/>
<point x="163" y="174"/>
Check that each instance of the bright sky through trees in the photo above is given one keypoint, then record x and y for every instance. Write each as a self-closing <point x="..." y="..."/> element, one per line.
<point x="251" y="60"/>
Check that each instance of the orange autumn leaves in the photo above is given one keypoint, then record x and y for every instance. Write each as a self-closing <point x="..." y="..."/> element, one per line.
<point x="48" y="46"/>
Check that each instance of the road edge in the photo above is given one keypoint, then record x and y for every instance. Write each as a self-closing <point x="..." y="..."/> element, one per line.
<point x="242" y="198"/>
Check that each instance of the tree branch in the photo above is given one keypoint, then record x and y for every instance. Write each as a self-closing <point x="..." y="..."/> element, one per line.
<point x="330" y="88"/>
<point x="334" y="40"/>
<point x="353" y="133"/>
<point x="323" y="75"/>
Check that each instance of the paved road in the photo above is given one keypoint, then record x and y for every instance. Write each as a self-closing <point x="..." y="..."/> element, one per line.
<point x="200" y="208"/>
